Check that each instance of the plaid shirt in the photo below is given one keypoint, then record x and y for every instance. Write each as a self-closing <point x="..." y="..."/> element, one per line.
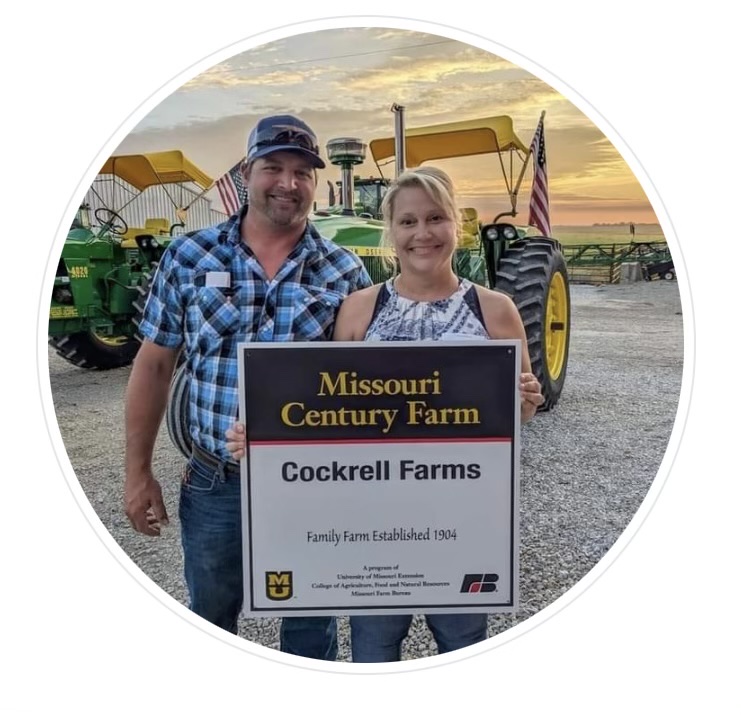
<point x="184" y="308"/>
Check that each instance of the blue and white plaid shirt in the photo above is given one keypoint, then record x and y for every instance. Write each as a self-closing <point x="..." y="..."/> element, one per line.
<point x="184" y="308"/>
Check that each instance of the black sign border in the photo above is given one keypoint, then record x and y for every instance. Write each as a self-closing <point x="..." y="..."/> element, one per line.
<point x="507" y="606"/>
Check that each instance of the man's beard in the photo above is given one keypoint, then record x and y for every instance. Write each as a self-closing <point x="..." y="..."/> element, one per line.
<point x="279" y="213"/>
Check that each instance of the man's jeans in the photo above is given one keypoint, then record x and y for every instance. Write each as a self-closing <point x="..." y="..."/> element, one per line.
<point x="211" y="527"/>
<point x="377" y="639"/>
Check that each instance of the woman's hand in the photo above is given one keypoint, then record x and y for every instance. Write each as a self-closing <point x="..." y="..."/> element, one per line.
<point x="530" y="397"/>
<point x="236" y="440"/>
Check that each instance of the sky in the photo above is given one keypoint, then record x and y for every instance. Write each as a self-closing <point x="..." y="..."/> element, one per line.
<point x="343" y="83"/>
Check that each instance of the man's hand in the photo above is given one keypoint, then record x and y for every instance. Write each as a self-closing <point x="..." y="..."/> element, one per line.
<point x="144" y="505"/>
<point x="146" y="400"/>
<point x="236" y="441"/>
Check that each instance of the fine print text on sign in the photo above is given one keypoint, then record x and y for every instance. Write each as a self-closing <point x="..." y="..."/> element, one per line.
<point x="380" y="477"/>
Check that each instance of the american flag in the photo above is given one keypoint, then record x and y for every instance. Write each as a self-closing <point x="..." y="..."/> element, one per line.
<point x="539" y="210"/>
<point x="231" y="188"/>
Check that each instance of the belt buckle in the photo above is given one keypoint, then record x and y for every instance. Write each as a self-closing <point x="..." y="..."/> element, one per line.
<point x="214" y="462"/>
<point x="205" y="457"/>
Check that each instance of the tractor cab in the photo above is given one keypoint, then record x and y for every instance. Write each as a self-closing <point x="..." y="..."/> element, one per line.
<point x="368" y="195"/>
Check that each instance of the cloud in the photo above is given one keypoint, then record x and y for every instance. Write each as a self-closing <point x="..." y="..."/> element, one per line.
<point x="327" y="52"/>
<point x="228" y="78"/>
<point x="393" y="34"/>
<point x="343" y="83"/>
<point x="400" y="71"/>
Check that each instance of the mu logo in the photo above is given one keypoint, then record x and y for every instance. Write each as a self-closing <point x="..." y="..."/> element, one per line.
<point x="278" y="585"/>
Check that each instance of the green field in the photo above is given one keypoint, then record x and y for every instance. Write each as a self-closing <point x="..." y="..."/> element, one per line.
<point x="620" y="233"/>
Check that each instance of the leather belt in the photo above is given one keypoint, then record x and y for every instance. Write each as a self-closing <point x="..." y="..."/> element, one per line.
<point x="229" y="468"/>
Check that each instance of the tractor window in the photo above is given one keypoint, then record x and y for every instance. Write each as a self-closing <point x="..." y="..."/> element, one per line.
<point x="382" y="189"/>
<point x="368" y="198"/>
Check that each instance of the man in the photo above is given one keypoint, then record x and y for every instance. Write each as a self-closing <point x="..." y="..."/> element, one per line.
<point x="263" y="275"/>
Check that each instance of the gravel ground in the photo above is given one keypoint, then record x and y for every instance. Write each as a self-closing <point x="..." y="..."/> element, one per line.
<point x="586" y="466"/>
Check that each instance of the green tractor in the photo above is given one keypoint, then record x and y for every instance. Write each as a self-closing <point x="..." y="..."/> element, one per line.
<point x="500" y="255"/>
<point x="104" y="272"/>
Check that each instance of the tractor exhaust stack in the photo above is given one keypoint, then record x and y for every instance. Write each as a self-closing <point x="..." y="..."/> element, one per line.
<point x="400" y="137"/>
<point x="346" y="152"/>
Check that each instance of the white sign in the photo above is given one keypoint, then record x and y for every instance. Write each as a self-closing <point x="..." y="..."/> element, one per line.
<point x="380" y="477"/>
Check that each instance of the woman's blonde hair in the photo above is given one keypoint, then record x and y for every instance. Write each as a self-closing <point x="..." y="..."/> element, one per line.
<point x="435" y="183"/>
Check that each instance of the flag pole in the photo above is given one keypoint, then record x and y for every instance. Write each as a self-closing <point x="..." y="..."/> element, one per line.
<point x="527" y="156"/>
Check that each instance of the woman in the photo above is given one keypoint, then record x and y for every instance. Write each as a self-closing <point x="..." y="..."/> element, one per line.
<point x="425" y="301"/>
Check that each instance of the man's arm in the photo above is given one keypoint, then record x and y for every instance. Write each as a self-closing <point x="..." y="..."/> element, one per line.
<point x="146" y="400"/>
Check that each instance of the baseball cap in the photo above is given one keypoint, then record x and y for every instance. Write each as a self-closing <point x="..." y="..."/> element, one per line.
<point x="283" y="132"/>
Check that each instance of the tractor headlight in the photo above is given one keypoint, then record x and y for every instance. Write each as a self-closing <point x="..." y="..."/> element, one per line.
<point x="146" y="242"/>
<point x="499" y="232"/>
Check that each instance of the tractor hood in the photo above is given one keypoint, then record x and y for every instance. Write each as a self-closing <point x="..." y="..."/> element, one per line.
<point x="348" y="230"/>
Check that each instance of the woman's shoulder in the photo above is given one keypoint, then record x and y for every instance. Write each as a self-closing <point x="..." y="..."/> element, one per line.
<point x="355" y="313"/>
<point x="363" y="296"/>
<point x="494" y="299"/>
<point x="499" y="310"/>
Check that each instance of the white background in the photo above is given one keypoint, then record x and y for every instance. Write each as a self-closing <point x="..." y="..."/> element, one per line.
<point x="80" y="634"/>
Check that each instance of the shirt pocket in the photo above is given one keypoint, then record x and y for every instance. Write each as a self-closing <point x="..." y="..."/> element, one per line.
<point x="218" y="311"/>
<point x="315" y="312"/>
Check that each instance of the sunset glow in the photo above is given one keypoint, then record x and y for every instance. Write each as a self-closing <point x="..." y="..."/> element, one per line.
<point x="343" y="82"/>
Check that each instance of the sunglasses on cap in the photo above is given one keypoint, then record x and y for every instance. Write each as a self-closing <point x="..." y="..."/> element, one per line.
<point x="284" y="136"/>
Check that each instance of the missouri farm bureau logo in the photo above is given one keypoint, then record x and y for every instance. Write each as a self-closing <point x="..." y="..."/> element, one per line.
<point x="479" y="583"/>
<point x="278" y="585"/>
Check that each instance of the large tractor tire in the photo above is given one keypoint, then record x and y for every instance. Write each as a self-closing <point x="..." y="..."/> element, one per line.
<point x="90" y="350"/>
<point x="141" y="300"/>
<point x="177" y="411"/>
<point x="176" y="415"/>
<point x="532" y="272"/>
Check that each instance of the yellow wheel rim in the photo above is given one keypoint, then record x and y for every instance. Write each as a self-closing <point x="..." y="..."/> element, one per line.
<point x="556" y="333"/>
<point x="112" y="341"/>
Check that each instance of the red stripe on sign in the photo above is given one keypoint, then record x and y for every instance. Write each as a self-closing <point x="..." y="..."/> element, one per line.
<point x="467" y="440"/>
